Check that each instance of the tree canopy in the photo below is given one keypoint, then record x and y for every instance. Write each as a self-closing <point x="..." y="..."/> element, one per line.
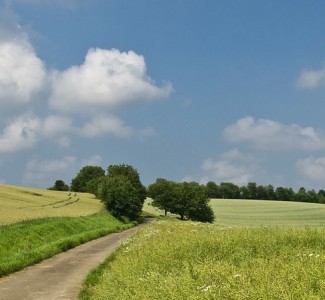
<point x="86" y="179"/>
<point x="187" y="199"/>
<point x="122" y="191"/>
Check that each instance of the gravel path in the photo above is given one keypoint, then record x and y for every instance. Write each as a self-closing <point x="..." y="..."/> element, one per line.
<point x="61" y="276"/>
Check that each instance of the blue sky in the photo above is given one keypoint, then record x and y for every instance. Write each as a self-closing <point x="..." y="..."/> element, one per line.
<point x="184" y="90"/>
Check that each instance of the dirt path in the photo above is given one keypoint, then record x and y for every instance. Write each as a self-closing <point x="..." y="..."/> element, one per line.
<point x="61" y="276"/>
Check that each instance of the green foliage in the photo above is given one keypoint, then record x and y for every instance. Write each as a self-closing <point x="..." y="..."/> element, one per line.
<point x="163" y="193"/>
<point x="131" y="174"/>
<point x="187" y="199"/>
<point x="187" y="260"/>
<point x="59" y="185"/>
<point x="85" y="179"/>
<point x="121" y="197"/>
<point x="122" y="192"/>
<point x="26" y="243"/>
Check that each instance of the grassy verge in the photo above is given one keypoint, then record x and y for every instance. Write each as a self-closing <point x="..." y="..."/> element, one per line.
<point x="184" y="260"/>
<point x="26" y="243"/>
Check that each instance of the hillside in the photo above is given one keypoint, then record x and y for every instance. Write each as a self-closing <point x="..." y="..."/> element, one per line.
<point x="22" y="203"/>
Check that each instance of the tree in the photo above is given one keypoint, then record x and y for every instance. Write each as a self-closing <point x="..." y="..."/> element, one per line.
<point x="192" y="202"/>
<point x="252" y="190"/>
<point x="213" y="190"/>
<point x="120" y="197"/>
<point x="131" y="174"/>
<point x="284" y="194"/>
<point x="229" y="190"/>
<point x="59" y="185"/>
<point x="261" y="192"/>
<point x="122" y="191"/>
<point x="163" y="193"/>
<point x="81" y="183"/>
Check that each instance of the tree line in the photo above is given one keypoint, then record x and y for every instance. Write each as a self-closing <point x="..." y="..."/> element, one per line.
<point x="123" y="194"/>
<point x="121" y="190"/>
<point x="227" y="190"/>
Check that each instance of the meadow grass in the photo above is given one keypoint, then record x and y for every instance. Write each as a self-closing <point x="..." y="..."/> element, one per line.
<point x="23" y="203"/>
<point x="187" y="260"/>
<point x="26" y="243"/>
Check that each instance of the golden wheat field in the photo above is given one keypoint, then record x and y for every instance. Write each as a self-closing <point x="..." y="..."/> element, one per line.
<point x="23" y="203"/>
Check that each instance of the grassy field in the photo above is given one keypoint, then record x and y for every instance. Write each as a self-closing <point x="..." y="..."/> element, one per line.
<point x="259" y="212"/>
<point x="22" y="203"/>
<point x="186" y="260"/>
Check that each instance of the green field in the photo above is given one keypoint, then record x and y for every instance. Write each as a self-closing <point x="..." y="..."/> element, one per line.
<point x="259" y="212"/>
<point x="22" y="203"/>
<point x="186" y="260"/>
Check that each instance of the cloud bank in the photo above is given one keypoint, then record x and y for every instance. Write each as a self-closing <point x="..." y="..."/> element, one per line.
<point x="271" y="135"/>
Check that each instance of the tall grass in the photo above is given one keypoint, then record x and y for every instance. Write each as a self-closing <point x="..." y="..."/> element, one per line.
<point x="185" y="260"/>
<point x="29" y="242"/>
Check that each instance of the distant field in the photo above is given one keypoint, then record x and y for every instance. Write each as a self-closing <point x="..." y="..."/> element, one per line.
<point x="22" y="203"/>
<point x="259" y="212"/>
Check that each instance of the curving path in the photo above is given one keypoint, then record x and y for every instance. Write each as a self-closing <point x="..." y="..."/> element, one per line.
<point x="61" y="276"/>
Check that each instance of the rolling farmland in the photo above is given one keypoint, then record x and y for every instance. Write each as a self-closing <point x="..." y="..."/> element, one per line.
<point x="259" y="212"/>
<point x="22" y="203"/>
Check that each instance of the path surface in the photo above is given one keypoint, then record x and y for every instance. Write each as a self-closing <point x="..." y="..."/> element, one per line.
<point x="61" y="276"/>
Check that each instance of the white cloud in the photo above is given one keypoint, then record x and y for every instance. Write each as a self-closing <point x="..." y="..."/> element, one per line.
<point x="55" y="124"/>
<point x="94" y="160"/>
<point x="310" y="79"/>
<point x="22" y="73"/>
<point x="271" y="135"/>
<point x="107" y="79"/>
<point x="101" y="125"/>
<point x="312" y="168"/>
<point x="25" y="131"/>
<point x="232" y="166"/>
<point x="44" y="173"/>
<point x="21" y="134"/>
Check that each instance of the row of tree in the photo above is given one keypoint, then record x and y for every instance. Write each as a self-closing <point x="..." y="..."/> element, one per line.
<point x="121" y="190"/>
<point x="227" y="190"/>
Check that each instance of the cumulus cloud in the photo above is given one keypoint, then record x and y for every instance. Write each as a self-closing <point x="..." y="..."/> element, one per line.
<point x="101" y="125"/>
<point x="312" y="168"/>
<point x="22" y="133"/>
<point x="271" y="135"/>
<point x="107" y="79"/>
<point x="46" y="172"/>
<point x="232" y="166"/>
<point x="310" y="79"/>
<point x="25" y="131"/>
<point x="22" y="73"/>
